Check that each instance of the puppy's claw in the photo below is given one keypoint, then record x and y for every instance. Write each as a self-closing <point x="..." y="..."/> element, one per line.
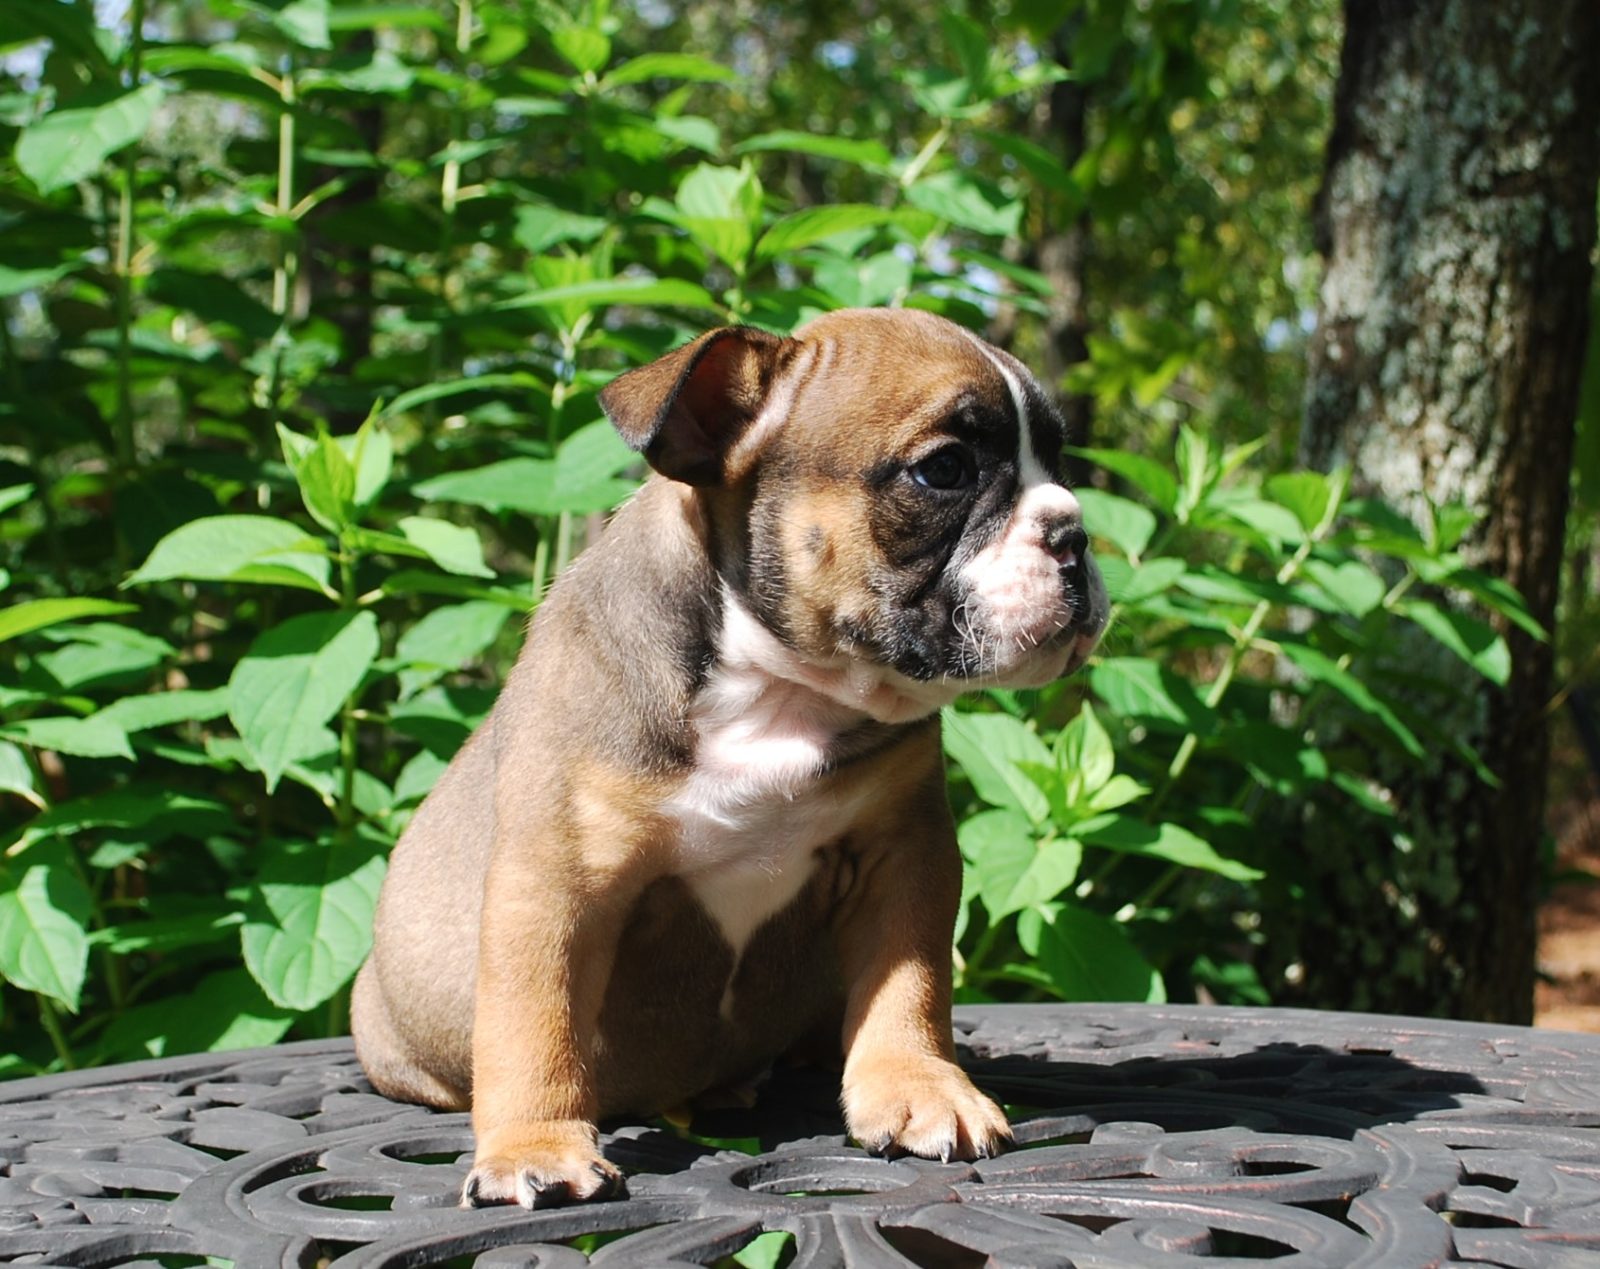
<point x="922" y="1106"/>
<point x="611" y="1182"/>
<point x="541" y="1167"/>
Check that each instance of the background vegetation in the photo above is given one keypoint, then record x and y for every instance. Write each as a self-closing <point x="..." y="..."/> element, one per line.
<point x="305" y="310"/>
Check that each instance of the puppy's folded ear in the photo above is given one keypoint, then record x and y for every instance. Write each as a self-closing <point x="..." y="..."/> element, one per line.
<point x="684" y="412"/>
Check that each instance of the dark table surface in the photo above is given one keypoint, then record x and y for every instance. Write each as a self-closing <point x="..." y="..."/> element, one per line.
<point x="1147" y="1136"/>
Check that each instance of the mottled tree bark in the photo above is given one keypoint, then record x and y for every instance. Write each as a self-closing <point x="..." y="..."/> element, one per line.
<point x="1457" y="220"/>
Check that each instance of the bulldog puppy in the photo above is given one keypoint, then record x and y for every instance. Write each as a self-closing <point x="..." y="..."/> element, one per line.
<point x="707" y="816"/>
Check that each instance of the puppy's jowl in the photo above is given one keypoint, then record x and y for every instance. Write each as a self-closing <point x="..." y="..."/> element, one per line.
<point x="706" y="820"/>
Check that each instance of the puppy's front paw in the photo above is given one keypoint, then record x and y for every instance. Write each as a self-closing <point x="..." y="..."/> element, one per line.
<point x="922" y="1106"/>
<point x="541" y="1165"/>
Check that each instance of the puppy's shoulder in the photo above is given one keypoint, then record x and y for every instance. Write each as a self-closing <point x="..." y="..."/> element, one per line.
<point x="623" y="641"/>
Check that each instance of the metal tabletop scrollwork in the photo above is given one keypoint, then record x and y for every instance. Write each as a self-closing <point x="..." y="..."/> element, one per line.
<point x="1146" y="1136"/>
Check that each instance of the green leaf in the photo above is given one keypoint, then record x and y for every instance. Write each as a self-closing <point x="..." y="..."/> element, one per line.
<point x="69" y="27"/>
<point x="1176" y="845"/>
<point x="1086" y="956"/>
<point x="1499" y="596"/>
<point x="540" y="227"/>
<point x="1086" y="755"/>
<point x="1217" y="586"/>
<point x="591" y="456"/>
<point x="294" y="678"/>
<point x="1307" y="494"/>
<point x="720" y="207"/>
<point x="19" y="281"/>
<point x="382" y="74"/>
<point x="171" y="935"/>
<point x="162" y="709"/>
<point x="16" y="773"/>
<point x="453" y="547"/>
<point x="1151" y="578"/>
<point x="1369" y="795"/>
<point x="968" y="202"/>
<point x="14" y="495"/>
<point x="446" y="639"/>
<point x="152" y="814"/>
<point x="1277" y="524"/>
<point x="528" y="485"/>
<point x="418" y="776"/>
<point x="455" y="387"/>
<point x="371" y="453"/>
<point x="91" y="737"/>
<point x="872" y="155"/>
<point x="1126" y="525"/>
<point x="303" y="21"/>
<point x="973" y="46"/>
<point x="624" y="290"/>
<point x="684" y="66"/>
<point x="44" y="911"/>
<point x="1323" y="669"/>
<point x="98" y="653"/>
<point x="1118" y="791"/>
<point x="364" y="17"/>
<point x="989" y="747"/>
<point x="238" y="549"/>
<point x="1275" y="756"/>
<point x="864" y="282"/>
<point x="326" y="477"/>
<point x="223" y="1011"/>
<point x="815" y="224"/>
<point x="1197" y="471"/>
<point x="36" y="614"/>
<point x="1043" y="166"/>
<point x="310" y="920"/>
<point x="1013" y="870"/>
<point x="417" y="581"/>
<point x="1150" y="477"/>
<point x="1137" y="688"/>
<point x="691" y="131"/>
<point x="68" y="146"/>
<point x="1349" y="583"/>
<point x="1470" y="639"/>
<point x="585" y="49"/>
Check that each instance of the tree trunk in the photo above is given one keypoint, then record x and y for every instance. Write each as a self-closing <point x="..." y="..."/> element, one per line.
<point x="1456" y="218"/>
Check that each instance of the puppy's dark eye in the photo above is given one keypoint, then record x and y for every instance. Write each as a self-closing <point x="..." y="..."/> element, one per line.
<point x="949" y="468"/>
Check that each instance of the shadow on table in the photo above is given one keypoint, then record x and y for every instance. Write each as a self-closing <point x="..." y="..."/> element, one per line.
<point x="1277" y="1088"/>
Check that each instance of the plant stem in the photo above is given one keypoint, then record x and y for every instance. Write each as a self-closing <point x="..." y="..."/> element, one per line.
<point x="283" y="275"/>
<point x="1159" y="886"/>
<point x="345" y="813"/>
<point x="1245" y="638"/>
<point x="124" y="434"/>
<point x="926" y="155"/>
<point x="563" y="555"/>
<point x="541" y="559"/>
<point x="339" y="1012"/>
<point x="449" y="199"/>
<point x="980" y="952"/>
<point x="51" y="1021"/>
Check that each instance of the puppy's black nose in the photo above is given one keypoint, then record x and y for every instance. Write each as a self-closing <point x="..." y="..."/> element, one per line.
<point x="1067" y="541"/>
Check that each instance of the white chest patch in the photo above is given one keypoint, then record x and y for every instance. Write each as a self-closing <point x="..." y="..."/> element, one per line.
<point x="757" y="805"/>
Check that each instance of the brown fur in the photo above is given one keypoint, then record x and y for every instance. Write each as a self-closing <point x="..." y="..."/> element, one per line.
<point x="536" y="955"/>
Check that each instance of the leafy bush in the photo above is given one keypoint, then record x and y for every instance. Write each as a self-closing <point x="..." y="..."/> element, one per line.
<point x="306" y="308"/>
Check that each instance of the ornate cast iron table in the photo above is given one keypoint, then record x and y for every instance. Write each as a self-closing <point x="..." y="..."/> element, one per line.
<point x="1147" y="1136"/>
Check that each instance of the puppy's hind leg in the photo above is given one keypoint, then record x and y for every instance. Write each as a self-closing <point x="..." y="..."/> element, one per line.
<point x="394" y="1072"/>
